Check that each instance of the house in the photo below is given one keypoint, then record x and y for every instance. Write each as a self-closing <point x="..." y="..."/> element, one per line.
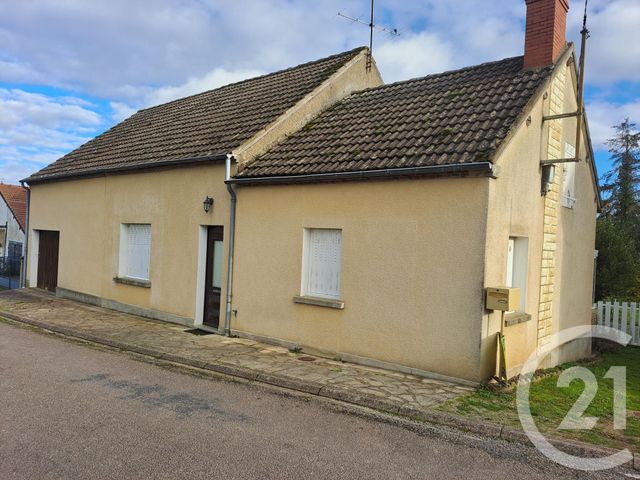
<point x="13" y="211"/>
<point x="318" y="208"/>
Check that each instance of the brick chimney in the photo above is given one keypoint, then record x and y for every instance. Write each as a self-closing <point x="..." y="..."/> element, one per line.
<point x="546" y="33"/>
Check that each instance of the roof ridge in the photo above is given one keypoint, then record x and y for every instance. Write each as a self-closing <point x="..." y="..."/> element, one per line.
<point x="441" y="74"/>
<point x="240" y="82"/>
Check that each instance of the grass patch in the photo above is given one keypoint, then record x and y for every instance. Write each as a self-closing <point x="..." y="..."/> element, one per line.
<point x="550" y="403"/>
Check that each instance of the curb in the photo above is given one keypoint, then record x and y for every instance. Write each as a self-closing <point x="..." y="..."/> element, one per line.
<point x="478" y="427"/>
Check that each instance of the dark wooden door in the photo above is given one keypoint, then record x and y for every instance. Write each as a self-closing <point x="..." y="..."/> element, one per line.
<point x="213" y="277"/>
<point x="48" y="244"/>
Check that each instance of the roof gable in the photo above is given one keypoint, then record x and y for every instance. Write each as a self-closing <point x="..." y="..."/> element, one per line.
<point x="454" y="117"/>
<point x="201" y="126"/>
<point x="16" y="199"/>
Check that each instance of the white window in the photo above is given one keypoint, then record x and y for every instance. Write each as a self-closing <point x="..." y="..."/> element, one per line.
<point x="135" y="251"/>
<point x="569" y="177"/>
<point x="517" y="265"/>
<point x="321" y="270"/>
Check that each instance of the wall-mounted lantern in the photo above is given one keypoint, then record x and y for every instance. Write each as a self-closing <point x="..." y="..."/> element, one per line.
<point x="548" y="176"/>
<point x="207" y="204"/>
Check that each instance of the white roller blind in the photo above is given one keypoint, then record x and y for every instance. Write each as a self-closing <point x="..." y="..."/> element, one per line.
<point x="510" y="252"/>
<point x="569" y="178"/>
<point x="517" y="266"/>
<point x="138" y="251"/>
<point x="323" y="256"/>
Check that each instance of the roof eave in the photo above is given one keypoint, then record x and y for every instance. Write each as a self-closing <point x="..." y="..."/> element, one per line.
<point x="485" y="169"/>
<point x="32" y="180"/>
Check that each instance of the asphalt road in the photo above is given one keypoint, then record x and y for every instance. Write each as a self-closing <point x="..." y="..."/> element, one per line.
<point x="70" y="411"/>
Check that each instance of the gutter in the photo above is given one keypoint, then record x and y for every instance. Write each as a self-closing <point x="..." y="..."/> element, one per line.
<point x="123" y="168"/>
<point x="475" y="168"/>
<point x="232" y="237"/>
<point x="25" y="248"/>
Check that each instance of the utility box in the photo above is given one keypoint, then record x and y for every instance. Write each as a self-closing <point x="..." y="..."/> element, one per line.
<point x="506" y="299"/>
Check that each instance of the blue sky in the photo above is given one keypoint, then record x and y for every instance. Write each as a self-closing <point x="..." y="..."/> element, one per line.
<point x="71" y="69"/>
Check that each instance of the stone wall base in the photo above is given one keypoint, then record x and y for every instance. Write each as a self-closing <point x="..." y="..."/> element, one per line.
<point x="123" y="307"/>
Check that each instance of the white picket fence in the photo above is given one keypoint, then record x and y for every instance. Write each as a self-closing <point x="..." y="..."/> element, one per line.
<point x="623" y="316"/>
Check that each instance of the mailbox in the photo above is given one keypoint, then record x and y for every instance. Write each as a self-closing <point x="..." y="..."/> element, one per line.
<point x="506" y="299"/>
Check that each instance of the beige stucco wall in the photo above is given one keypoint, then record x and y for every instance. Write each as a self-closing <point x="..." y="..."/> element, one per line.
<point x="517" y="208"/>
<point x="412" y="269"/>
<point x="88" y="213"/>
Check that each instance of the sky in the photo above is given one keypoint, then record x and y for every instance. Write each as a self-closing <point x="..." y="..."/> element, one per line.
<point x="71" y="69"/>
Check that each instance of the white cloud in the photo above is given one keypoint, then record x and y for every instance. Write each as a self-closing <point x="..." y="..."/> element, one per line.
<point x="102" y="48"/>
<point x="36" y="129"/>
<point x="122" y="50"/>
<point x="17" y="72"/>
<point x="613" y="50"/>
<point x="603" y="115"/>
<point x="19" y="108"/>
<point x="413" y="56"/>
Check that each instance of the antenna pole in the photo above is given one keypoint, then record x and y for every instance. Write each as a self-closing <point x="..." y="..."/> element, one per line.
<point x="371" y="26"/>
<point x="583" y="48"/>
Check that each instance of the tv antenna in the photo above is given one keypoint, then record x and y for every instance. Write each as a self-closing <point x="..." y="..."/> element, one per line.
<point x="372" y="26"/>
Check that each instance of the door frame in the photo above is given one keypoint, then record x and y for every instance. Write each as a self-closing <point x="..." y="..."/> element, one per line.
<point x="201" y="277"/>
<point x="34" y="246"/>
<point x="201" y="269"/>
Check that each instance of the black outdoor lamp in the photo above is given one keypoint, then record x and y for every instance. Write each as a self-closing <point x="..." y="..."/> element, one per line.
<point x="207" y="204"/>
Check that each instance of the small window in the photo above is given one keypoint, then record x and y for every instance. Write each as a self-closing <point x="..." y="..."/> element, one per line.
<point x="15" y="250"/>
<point x="321" y="270"/>
<point x="517" y="265"/>
<point x="135" y="251"/>
<point x="569" y="178"/>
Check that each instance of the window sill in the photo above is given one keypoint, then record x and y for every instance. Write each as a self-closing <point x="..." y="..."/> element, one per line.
<point x="135" y="282"/>
<point x="514" y="318"/>
<point x="319" y="302"/>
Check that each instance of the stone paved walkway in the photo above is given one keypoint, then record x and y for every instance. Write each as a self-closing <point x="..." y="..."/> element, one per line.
<point x="372" y="387"/>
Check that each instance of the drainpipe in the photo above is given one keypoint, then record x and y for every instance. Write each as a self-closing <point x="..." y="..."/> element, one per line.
<point x="25" y="248"/>
<point x="232" y="234"/>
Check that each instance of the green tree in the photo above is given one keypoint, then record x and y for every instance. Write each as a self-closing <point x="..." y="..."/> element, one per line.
<point x="618" y="229"/>
<point x="617" y="266"/>
<point x="620" y="186"/>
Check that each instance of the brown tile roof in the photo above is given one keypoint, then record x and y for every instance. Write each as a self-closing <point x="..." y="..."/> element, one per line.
<point x="454" y="117"/>
<point x="16" y="199"/>
<point x="203" y="125"/>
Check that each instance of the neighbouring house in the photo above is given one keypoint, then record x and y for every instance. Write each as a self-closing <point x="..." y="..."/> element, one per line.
<point x="358" y="220"/>
<point x="13" y="212"/>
